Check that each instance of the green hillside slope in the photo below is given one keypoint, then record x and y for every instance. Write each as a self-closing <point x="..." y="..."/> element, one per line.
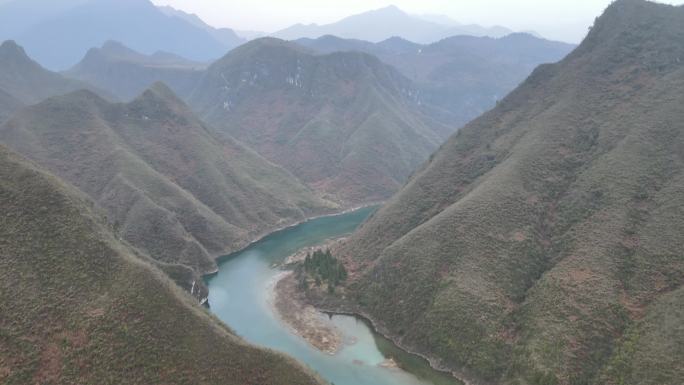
<point x="168" y="186"/>
<point x="345" y="124"/>
<point x="79" y="307"/>
<point x="542" y="244"/>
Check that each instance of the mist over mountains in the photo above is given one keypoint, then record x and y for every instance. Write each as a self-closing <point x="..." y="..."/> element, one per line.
<point x="381" y="24"/>
<point x="62" y="31"/>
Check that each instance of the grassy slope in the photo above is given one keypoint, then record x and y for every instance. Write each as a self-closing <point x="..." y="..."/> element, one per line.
<point x="543" y="239"/>
<point x="345" y="124"/>
<point x="78" y="307"/>
<point x="167" y="185"/>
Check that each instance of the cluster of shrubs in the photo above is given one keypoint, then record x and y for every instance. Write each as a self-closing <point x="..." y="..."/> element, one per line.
<point x="322" y="267"/>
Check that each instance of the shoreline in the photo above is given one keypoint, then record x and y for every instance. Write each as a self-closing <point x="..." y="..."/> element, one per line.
<point x="305" y="300"/>
<point x="433" y="362"/>
<point x="265" y="234"/>
<point x="303" y="319"/>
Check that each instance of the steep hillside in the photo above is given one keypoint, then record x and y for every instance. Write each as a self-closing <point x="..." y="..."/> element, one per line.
<point x="26" y="81"/>
<point x="345" y="124"/>
<point x="463" y="76"/>
<point x="80" y="307"/>
<point x="167" y="185"/>
<point x="542" y="244"/>
<point x="127" y="73"/>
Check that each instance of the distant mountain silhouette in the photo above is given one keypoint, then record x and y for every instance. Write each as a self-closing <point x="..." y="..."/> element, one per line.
<point x="381" y="24"/>
<point x="24" y="82"/>
<point x="127" y="73"/>
<point x="59" y="35"/>
<point x="226" y="36"/>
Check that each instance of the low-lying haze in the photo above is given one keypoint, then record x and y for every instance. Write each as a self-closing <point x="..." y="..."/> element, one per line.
<point x="560" y="20"/>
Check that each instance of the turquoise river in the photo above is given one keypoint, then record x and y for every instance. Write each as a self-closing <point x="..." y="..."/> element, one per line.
<point x="239" y="294"/>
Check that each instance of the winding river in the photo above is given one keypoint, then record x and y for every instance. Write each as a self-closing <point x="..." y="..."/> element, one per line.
<point x="240" y="293"/>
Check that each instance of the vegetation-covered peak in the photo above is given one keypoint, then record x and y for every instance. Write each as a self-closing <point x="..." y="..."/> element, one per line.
<point x="639" y="32"/>
<point x="542" y="243"/>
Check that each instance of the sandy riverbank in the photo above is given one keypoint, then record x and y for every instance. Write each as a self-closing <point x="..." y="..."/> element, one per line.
<point x="307" y="322"/>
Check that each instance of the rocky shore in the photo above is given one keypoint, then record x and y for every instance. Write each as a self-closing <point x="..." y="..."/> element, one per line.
<point x="307" y="322"/>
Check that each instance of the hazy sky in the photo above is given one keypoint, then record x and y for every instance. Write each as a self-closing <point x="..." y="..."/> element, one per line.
<point x="566" y="20"/>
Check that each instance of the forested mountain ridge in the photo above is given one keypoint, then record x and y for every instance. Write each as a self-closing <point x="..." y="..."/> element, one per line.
<point x="461" y="76"/>
<point x="347" y="125"/>
<point x="167" y="184"/>
<point x="542" y="243"/>
<point x="80" y="306"/>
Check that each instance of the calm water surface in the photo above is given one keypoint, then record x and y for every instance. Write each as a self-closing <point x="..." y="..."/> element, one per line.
<point x="240" y="293"/>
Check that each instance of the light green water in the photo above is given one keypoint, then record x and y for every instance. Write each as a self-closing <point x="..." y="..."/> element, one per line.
<point x="239" y="295"/>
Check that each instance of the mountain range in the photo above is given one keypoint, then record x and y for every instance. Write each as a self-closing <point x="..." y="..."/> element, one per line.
<point x="542" y="243"/>
<point x="347" y="125"/>
<point x="394" y="23"/>
<point x="59" y="33"/>
<point x="168" y="186"/>
<point x="81" y="306"/>
<point x="127" y="73"/>
<point x="462" y="76"/>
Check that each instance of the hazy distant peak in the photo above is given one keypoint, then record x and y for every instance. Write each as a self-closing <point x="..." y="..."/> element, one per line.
<point x="10" y="47"/>
<point x="117" y="49"/>
<point x="11" y="51"/>
<point x="380" y="24"/>
<point x="391" y="9"/>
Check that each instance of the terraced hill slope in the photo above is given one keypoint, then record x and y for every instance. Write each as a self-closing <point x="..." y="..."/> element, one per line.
<point x="80" y="306"/>
<point x="542" y="244"/>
